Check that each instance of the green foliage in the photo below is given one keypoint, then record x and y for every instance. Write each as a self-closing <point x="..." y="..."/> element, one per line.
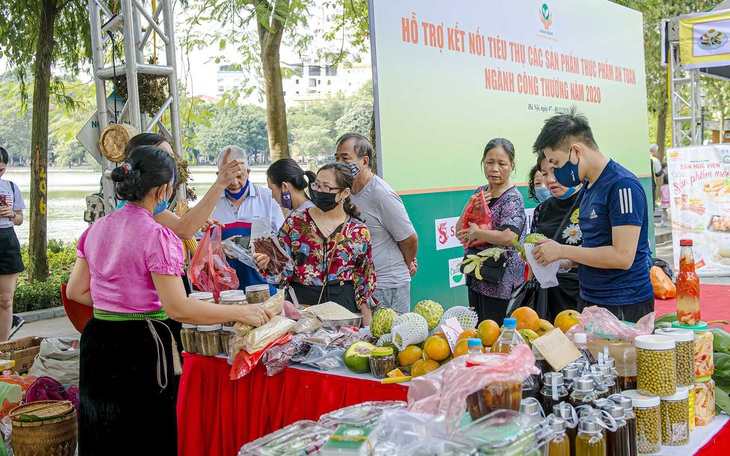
<point x="36" y="296"/>
<point x="61" y="258"/>
<point x="243" y="126"/>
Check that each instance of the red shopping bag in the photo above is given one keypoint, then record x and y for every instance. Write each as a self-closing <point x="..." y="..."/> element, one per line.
<point x="209" y="269"/>
<point x="477" y="211"/>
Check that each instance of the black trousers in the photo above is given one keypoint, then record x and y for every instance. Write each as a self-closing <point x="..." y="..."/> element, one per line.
<point x="488" y="308"/>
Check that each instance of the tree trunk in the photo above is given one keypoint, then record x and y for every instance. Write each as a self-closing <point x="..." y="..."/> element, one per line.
<point x="38" y="268"/>
<point x="661" y="132"/>
<point x="270" y="39"/>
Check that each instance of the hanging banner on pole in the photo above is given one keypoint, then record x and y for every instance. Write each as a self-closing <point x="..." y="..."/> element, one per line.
<point x="699" y="183"/>
<point x="703" y="39"/>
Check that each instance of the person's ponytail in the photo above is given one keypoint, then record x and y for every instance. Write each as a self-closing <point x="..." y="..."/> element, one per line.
<point x="351" y="209"/>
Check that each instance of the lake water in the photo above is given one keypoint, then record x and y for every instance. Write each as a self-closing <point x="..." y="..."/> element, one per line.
<point x="68" y="189"/>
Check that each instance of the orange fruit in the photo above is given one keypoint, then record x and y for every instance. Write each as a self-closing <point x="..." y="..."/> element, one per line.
<point x="526" y="318"/>
<point x="545" y="326"/>
<point x="423" y="367"/>
<point x="395" y="373"/>
<point x="461" y="348"/>
<point x="437" y="348"/>
<point x="467" y="334"/>
<point x="488" y="332"/>
<point x="566" y="320"/>
<point x="409" y="355"/>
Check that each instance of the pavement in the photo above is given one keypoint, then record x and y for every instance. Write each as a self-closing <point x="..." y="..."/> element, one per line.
<point x="53" y="322"/>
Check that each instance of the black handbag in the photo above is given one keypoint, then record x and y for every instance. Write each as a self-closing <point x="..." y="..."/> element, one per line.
<point x="529" y="294"/>
<point x="491" y="270"/>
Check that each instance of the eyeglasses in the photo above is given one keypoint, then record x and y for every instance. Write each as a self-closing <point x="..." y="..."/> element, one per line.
<point x="317" y="187"/>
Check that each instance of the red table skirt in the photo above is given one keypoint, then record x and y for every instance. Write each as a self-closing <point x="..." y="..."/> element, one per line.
<point x="217" y="416"/>
<point x="718" y="444"/>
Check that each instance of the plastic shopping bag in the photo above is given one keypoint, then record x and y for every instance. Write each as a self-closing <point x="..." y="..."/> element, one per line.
<point x="663" y="286"/>
<point x="477" y="211"/>
<point x="209" y="269"/>
<point x="266" y="242"/>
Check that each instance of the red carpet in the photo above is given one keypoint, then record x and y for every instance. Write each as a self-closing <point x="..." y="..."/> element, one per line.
<point x="714" y="304"/>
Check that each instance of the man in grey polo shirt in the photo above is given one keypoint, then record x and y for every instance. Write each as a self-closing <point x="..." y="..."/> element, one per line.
<point x="393" y="237"/>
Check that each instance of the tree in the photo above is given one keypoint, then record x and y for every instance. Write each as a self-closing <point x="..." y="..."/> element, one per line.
<point x="33" y="35"/>
<point x="243" y="126"/>
<point x="233" y="21"/>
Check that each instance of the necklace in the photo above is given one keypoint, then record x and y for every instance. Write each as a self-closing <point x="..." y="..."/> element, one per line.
<point x="329" y="230"/>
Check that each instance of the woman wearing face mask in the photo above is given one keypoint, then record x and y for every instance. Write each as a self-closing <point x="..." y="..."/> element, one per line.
<point x="508" y="221"/>
<point x="288" y="182"/>
<point x="128" y="269"/>
<point x="559" y="215"/>
<point x="330" y="247"/>
<point x="536" y="188"/>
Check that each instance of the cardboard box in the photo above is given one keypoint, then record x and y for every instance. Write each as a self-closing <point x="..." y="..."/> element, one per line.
<point x="22" y="351"/>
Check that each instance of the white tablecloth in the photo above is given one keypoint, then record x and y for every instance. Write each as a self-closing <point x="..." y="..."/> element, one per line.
<point x="697" y="439"/>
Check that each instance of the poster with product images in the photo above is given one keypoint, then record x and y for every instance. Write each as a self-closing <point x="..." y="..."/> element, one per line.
<point x="699" y="183"/>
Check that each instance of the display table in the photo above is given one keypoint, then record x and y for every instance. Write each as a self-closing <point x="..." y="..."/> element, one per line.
<point x="217" y="416"/>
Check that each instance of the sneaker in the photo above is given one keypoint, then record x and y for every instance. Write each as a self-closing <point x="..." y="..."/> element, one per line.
<point x="18" y="322"/>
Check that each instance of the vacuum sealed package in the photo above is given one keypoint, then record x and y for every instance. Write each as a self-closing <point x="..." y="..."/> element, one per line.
<point x="301" y="438"/>
<point x="266" y="242"/>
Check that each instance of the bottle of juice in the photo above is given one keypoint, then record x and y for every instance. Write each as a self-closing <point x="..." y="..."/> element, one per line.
<point x="559" y="445"/>
<point x="617" y="442"/>
<point x="688" y="286"/>
<point x="509" y="338"/>
<point x="590" y="440"/>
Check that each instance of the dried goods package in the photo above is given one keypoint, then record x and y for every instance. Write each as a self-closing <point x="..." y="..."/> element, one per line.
<point x="274" y="304"/>
<point x="260" y="337"/>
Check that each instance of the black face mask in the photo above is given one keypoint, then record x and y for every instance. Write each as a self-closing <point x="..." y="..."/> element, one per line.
<point x="324" y="201"/>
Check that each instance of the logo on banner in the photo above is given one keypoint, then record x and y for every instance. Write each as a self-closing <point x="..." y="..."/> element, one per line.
<point x="456" y="277"/>
<point x="545" y="16"/>
<point x="446" y="233"/>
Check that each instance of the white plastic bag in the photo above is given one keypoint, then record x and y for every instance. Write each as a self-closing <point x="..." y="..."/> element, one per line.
<point x="547" y="275"/>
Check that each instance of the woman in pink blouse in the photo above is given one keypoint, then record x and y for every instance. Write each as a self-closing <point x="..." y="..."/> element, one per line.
<point x="330" y="247"/>
<point x="128" y="269"/>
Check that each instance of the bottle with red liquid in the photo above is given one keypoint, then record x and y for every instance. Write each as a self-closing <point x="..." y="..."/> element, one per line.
<point x="688" y="286"/>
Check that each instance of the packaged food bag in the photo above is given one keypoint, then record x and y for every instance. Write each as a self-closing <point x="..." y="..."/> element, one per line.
<point x="209" y="269"/>
<point x="547" y="275"/>
<point x="477" y="211"/>
<point x="663" y="286"/>
<point x="266" y="242"/>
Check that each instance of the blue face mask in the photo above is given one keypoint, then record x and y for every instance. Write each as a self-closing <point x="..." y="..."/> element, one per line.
<point x="567" y="175"/>
<point x="542" y="193"/>
<point x="568" y="193"/>
<point x="160" y="207"/>
<point x="239" y="194"/>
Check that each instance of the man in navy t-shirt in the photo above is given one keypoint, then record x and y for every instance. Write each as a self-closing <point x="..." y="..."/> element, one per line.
<point x="615" y="258"/>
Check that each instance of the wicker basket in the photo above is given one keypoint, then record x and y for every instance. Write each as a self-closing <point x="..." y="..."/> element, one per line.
<point x="114" y="139"/>
<point x="44" y="428"/>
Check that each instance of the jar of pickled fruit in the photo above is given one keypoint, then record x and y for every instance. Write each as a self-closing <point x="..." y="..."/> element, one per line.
<point x="704" y="401"/>
<point x="703" y="348"/>
<point x="495" y="396"/>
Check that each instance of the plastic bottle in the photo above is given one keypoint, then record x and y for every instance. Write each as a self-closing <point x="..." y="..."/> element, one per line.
<point x="559" y="444"/>
<point x="580" y="341"/>
<point x="475" y="346"/>
<point x="688" y="286"/>
<point x="590" y="440"/>
<point x="509" y="337"/>
<point x="617" y="442"/>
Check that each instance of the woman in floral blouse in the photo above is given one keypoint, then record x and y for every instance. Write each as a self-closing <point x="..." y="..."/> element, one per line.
<point x="330" y="247"/>
<point x="507" y="207"/>
<point x="549" y="218"/>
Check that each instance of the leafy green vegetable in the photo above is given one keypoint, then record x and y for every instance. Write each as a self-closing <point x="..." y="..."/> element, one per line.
<point x="534" y="237"/>
<point x="666" y="318"/>
<point x="722" y="369"/>
<point x="721" y="342"/>
<point x="722" y="399"/>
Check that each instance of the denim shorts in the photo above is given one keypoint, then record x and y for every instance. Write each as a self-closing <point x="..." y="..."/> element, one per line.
<point x="398" y="299"/>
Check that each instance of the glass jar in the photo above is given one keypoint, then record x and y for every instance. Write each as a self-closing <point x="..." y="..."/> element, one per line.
<point x="675" y="418"/>
<point x="590" y="440"/>
<point x="228" y="333"/>
<point x="688" y="286"/>
<point x="583" y="392"/>
<point x="188" y="338"/>
<point x="656" y="364"/>
<point x="202" y="295"/>
<point x="704" y="345"/>
<point x="208" y="339"/>
<point x="567" y="413"/>
<point x="648" y="421"/>
<point x="531" y="406"/>
<point x="684" y="341"/>
<point x="231" y="298"/>
<point x="704" y="405"/>
<point x="382" y="361"/>
<point x="599" y="384"/>
<point x="624" y="353"/>
<point x="495" y="396"/>
<point x="554" y="391"/>
<point x="256" y="294"/>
